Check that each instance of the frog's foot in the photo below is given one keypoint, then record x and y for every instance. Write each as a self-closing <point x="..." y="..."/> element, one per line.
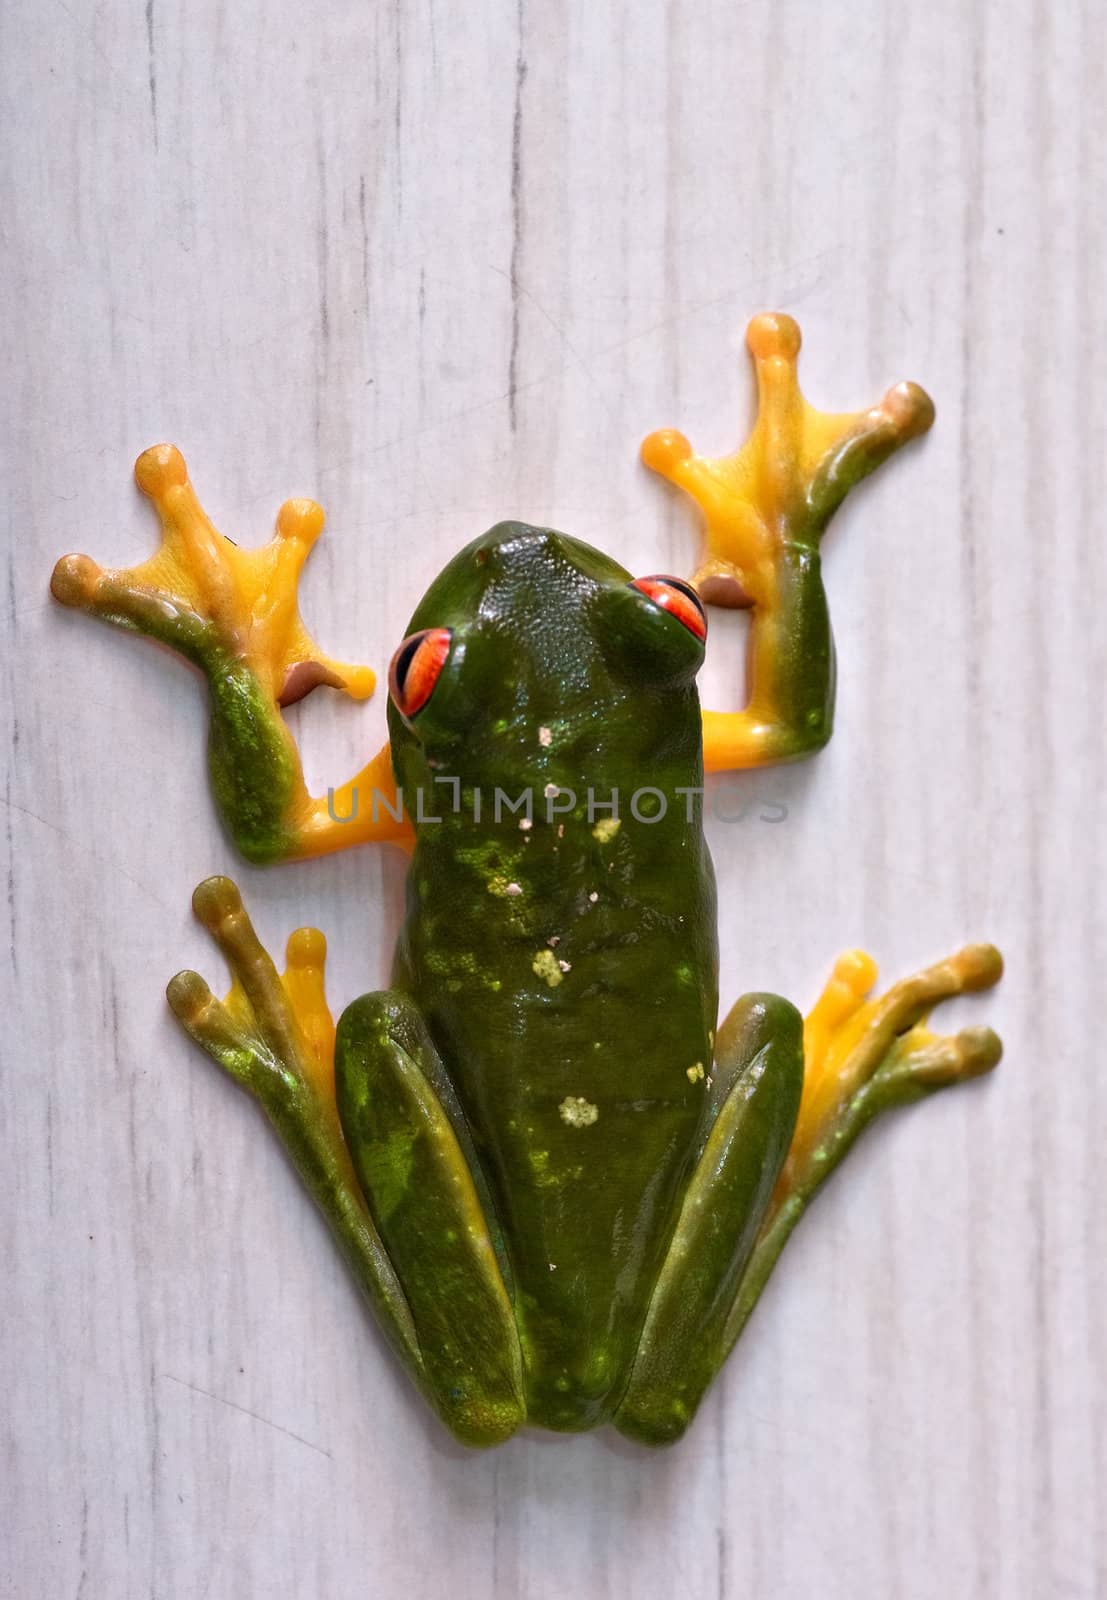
<point x="863" y="1056"/>
<point x="274" y="1036"/>
<point x="398" y="1166"/>
<point x="205" y="596"/>
<point x="272" y="1033"/>
<point x="766" y="509"/>
<point x="785" y="483"/>
<point x="235" y="615"/>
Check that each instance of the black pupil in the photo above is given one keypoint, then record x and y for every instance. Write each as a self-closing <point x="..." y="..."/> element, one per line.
<point x="685" y="589"/>
<point x="405" y="658"/>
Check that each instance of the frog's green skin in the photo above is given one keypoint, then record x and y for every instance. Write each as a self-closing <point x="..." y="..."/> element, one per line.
<point x="563" y="962"/>
<point x="559" y="1191"/>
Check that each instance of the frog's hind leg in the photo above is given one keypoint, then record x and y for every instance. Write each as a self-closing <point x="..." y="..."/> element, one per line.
<point x="753" y="1096"/>
<point x="859" y="1056"/>
<point x="274" y="1036"/>
<point x="421" y="1177"/>
<point x="433" y="1279"/>
<point x="865" y="1056"/>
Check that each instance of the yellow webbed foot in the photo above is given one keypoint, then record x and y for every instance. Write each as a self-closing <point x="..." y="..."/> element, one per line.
<point x="765" y="510"/>
<point x="270" y="1031"/>
<point x="863" y="1056"/>
<point x="275" y="1037"/>
<point x="857" y="1047"/>
<point x="790" y="476"/>
<point x="202" y="593"/>
<point x="235" y="615"/>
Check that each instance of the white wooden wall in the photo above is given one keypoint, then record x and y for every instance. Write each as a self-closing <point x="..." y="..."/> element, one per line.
<point x="436" y="265"/>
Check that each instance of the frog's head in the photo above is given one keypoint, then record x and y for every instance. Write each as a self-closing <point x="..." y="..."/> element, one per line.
<point x="530" y="639"/>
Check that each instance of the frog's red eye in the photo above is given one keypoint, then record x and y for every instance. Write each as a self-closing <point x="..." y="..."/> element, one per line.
<point x="415" y="668"/>
<point x="677" y="597"/>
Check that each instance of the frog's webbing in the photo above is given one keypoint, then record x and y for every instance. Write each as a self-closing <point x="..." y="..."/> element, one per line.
<point x="274" y="1036"/>
<point x="235" y="615"/>
<point x="864" y="1056"/>
<point x="765" y="511"/>
<point x="860" y="1057"/>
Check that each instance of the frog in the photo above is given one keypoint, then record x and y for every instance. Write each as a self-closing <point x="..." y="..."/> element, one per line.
<point x="560" y="1181"/>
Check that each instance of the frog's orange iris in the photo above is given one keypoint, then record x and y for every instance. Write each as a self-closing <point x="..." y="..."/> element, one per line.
<point x="677" y="597"/>
<point x="415" y="667"/>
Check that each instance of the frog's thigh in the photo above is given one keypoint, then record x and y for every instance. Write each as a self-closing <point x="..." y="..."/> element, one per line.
<point x="427" y="1208"/>
<point x="756" y="1086"/>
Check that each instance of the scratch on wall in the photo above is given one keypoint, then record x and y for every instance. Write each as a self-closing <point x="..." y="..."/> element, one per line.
<point x="516" y="221"/>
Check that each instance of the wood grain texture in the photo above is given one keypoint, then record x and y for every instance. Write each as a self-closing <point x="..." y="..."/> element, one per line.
<point x="436" y="266"/>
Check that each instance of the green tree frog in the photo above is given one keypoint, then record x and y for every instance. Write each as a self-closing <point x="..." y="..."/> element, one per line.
<point x="559" y="1181"/>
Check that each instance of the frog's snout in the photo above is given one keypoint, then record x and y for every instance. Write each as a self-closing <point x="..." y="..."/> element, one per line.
<point x="522" y="550"/>
<point x="508" y="538"/>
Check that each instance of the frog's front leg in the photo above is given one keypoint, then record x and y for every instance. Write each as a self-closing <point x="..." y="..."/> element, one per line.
<point x="766" y="509"/>
<point x="234" y="614"/>
<point x="370" y="1136"/>
<point x="753" y="1096"/>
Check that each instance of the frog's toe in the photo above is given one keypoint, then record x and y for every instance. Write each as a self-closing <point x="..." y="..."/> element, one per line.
<point x="160" y="468"/>
<point x="74" y="579"/>
<point x="667" y="452"/>
<point x="931" y="1061"/>
<point x="208" y="1022"/>
<point x="130" y="599"/>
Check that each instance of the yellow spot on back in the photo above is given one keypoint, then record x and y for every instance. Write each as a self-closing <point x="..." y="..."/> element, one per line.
<point x="546" y="965"/>
<point x="606" y="829"/>
<point x="695" y="1073"/>
<point x="540" y="1166"/>
<point x="576" y="1112"/>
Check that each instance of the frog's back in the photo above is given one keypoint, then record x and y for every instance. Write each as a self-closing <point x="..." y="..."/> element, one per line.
<point x="564" y="953"/>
